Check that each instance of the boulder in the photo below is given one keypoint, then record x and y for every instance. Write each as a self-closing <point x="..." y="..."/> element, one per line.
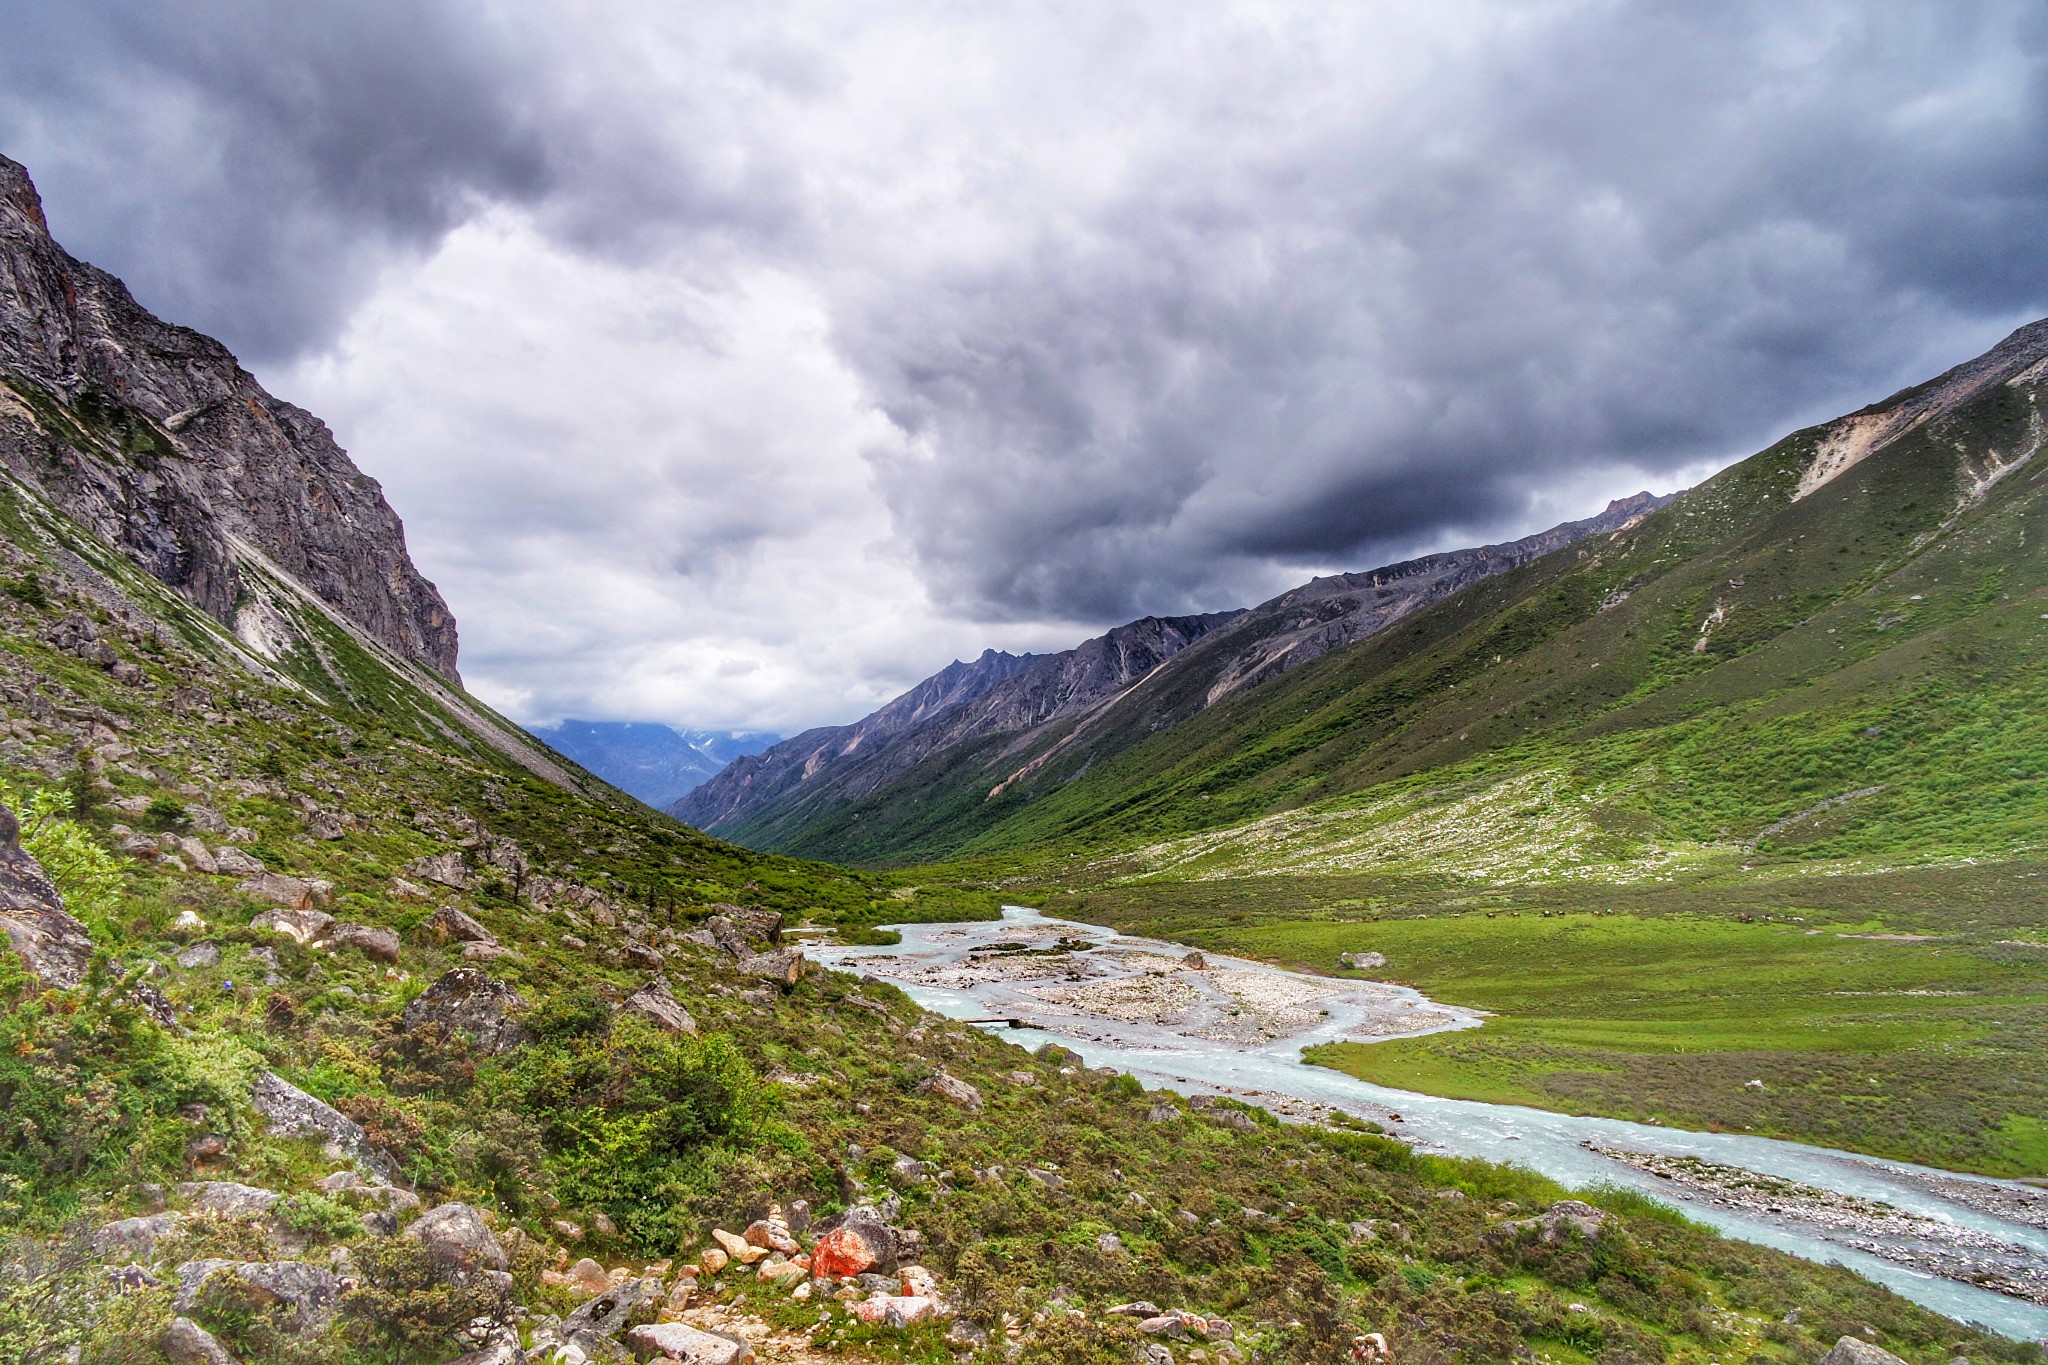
<point x="290" y="1112"/>
<point x="466" y="1000"/>
<point x="51" y="944"/>
<point x="1362" y="961"/>
<point x="371" y="941"/>
<point x="1856" y="1351"/>
<point x="309" y="1291"/>
<point x="457" y="1239"/>
<point x="199" y="955"/>
<point x="586" y="1277"/>
<point x="456" y="927"/>
<point x="784" y="966"/>
<point x="232" y="862"/>
<point x="185" y="1342"/>
<point x="895" y="1310"/>
<point x="611" y="1312"/>
<point x="444" y="869"/>
<point x="773" y="1234"/>
<point x="134" y="1237"/>
<point x="854" y="1242"/>
<point x="198" y="855"/>
<point x="226" y="1199"/>
<point x="289" y="893"/>
<point x="657" y="1004"/>
<point x="950" y="1087"/>
<point x="300" y="922"/>
<point x="685" y="1344"/>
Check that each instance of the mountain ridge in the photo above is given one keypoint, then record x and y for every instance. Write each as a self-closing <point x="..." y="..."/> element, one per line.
<point x="1232" y="651"/>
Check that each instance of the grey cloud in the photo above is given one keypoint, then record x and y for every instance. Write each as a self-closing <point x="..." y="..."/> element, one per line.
<point x="248" y="166"/>
<point x="1638" y="237"/>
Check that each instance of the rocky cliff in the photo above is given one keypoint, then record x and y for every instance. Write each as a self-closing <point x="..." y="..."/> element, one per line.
<point x="152" y="437"/>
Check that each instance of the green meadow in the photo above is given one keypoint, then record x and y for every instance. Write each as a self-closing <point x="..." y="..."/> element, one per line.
<point x="1900" y="1013"/>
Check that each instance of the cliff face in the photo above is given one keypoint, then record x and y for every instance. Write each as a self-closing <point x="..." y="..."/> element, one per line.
<point x="156" y="440"/>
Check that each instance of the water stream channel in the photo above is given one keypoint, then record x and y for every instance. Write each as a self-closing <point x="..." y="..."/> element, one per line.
<point x="1974" y="1249"/>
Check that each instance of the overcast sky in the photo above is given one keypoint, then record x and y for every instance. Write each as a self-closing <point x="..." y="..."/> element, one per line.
<point x="738" y="364"/>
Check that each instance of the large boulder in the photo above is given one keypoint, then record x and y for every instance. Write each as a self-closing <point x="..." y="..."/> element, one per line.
<point x="683" y="1343"/>
<point x="291" y="1112"/>
<point x="185" y="1342"/>
<point x="458" y="1239"/>
<point x="51" y="944"/>
<point x="299" y="922"/>
<point x="368" y="939"/>
<point x="309" y="1292"/>
<point x="657" y="1004"/>
<point x="616" y="1309"/>
<point x="445" y="869"/>
<point x="287" y="893"/>
<point x="466" y="1000"/>
<point x="455" y="926"/>
<point x="784" y="966"/>
<point x="950" y="1087"/>
<point x="854" y="1243"/>
<point x="1854" y="1351"/>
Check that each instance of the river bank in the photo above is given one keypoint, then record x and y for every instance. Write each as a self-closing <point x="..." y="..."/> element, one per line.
<point x="1207" y="1024"/>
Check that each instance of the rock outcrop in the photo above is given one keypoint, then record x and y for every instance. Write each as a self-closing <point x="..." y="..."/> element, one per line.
<point x="50" y="943"/>
<point x="155" y="438"/>
<point x="469" y="1002"/>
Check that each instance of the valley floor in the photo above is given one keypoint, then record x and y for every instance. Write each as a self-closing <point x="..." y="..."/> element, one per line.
<point x="1900" y="1013"/>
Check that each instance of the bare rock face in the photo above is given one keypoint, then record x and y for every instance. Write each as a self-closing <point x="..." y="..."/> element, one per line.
<point x="51" y="944"/>
<point x="171" y="451"/>
<point x="465" y="1000"/>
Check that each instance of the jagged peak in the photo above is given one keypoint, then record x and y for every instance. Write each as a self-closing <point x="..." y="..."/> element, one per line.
<point x="20" y="206"/>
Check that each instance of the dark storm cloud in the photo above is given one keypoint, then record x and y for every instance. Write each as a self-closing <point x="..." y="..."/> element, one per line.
<point x="1635" y="236"/>
<point x="248" y="165"/>
<point x="686" y="336"/>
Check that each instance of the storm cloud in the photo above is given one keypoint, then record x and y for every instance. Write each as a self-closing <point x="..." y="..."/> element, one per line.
<point x="740" y="366"/>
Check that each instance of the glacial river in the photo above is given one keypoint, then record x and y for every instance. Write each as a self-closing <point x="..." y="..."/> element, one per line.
<point x="1219" y="1025"/>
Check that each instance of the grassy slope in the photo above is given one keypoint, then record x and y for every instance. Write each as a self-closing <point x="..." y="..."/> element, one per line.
<point x="664" y="1137"/>
<point x="1856" y="609"/>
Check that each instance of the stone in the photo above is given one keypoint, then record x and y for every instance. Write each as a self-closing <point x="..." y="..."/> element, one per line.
<point x="784" y="966"/>
<point x="587" y="1277"/>
<point x="784" y="1274"/>
<point x="296" y="920"/>
<point x="856" y="1241"/>
<point x="457" y="1239"/>
<point x="609" y="1313"/>
<point x="226" y="1199"/>
<point x="455" y="926"/>
<point x="714" y="1260"/>
<point x="233" y="862"/>
<point x="1362" y="961"/>
<point x="1138" y="1308"/>
<point x="1856" y="1351"/>
<point x="199" y="955"/>
<point x="774" y="1235"/>
<point x="657" y="1004"/>
<point x="199" y="856"/>
<point x="484" y="952"/>
<point x="326" y="826"/>
<point x="918" y="1282"/>
<point x="643" y="956"/>
<point x="134" y="1237"/>
<point x="1195" y="962"/>
<point x="53" y="946"/>
<point x="685" y="1344"/>
<point x="444" y="869"/>
<point x="1108" y="1243"/>
<point x="754" y="922"/>
<point x="465" y="1000"/>
<point x="185" y="1342"/>
<point x="290" y="1112"/>
<point x="409" y="891"/>
<point x="309" y="1291"/>
<point x="381" y="944"/>
<point x="502" y="1353"/>
<point x="1165" y="1325"/>
<point x="738" y="1248"/>
<point x="892" y="1310"/>
<point x="950" y="1087"/>
<point x="1161" y="1113"/>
